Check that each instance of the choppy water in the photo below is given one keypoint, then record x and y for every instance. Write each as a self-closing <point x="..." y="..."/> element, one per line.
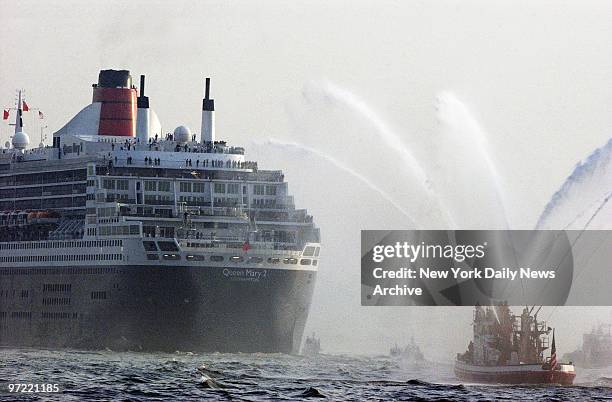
<point x="259" y="377"/>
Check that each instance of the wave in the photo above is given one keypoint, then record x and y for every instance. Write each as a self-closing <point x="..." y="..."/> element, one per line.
<point x="311" y="392"/>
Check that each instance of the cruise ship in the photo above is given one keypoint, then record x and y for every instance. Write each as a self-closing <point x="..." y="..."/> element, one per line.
<point x="120" y="236"/>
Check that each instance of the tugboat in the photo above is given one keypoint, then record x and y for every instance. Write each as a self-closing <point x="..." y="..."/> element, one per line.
<point x="395" y="351"/>
<point x="596" y="349"/>
<point x="312" y="346"/>
<point x="411" y="353"/>
<point x="509" y="349"/>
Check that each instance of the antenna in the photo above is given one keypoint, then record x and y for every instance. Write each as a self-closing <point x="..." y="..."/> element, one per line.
<point x="19" y="118"/>
<point x="536" y="313"/>
<point x="43" y="136"/>
<point x="207" y="92"/>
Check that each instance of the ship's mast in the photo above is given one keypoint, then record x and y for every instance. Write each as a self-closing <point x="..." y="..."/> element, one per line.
<point x="531" y="337"/>
<point x="20" y="139"/>
<point x="18" y="118"/>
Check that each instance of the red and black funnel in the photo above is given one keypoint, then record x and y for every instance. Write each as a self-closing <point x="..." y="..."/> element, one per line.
<point x="117" y="95"/>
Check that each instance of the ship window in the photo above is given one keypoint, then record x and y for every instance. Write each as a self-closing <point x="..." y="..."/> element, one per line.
<point x="272" y="260"/>
<point x="255" y="260"/>
<point x="172" y="257"/>
<point x="305" y="261"/>
<point x="317" y="251"/>
<point x="149" y="246"/>
<point x="167" y="246"/>
<point x="98" y="295"/>
<point x="152" y="257"/>
<point x="309" y="251"/>
<point x="290" y="261"/>
<point x="163" y="186"/>
<point x="219" y="187"/>
<point x="122" y="184"/>
<point x="233" y="188"/>
<point x="198" y="187"/>
<point x="314" y="262"/>
<point x="258" y="189"/>
<point x="236" y="258"/>
<point x="150" y="185"/>
<point x="216" y="258"/>
<point x="108" y="184"/>
<point x="185" y="187"/>
<point x="270" y="190"/>
<point x="195" y="257"/>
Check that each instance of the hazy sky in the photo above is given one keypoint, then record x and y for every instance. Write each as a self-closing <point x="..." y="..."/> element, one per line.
<point x="535" y="75"/>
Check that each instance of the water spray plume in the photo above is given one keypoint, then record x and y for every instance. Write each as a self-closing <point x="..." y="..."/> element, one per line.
<point x="341" y="166"/>
<point x="329" y="92"/>
<point x="393" y="140"/>
<point x="494" y="308"/>
<point x="589" y="185"/>
<point x="458" y="119"/>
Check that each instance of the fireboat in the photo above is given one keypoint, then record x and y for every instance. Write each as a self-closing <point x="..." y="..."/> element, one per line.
<point x="509" y="349"/>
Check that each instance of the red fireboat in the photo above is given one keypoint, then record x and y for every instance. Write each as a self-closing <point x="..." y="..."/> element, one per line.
<point x="509" y="349"/>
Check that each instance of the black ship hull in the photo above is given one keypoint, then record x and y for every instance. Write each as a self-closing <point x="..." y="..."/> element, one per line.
<point x="155" y="308"/>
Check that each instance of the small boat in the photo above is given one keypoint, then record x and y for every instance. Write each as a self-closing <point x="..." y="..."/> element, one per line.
<point x="411" y="353"/>
<point x="395" y="351"/>
<point x="312" y="346"/>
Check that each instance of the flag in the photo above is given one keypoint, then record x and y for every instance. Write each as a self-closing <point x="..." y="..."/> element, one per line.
<point x="553" y="354"/>
<point x="40" y="115"/>
<point x="25" y="106"/>
<point x="246" y="246"/>
<point x="5" y="114"/>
